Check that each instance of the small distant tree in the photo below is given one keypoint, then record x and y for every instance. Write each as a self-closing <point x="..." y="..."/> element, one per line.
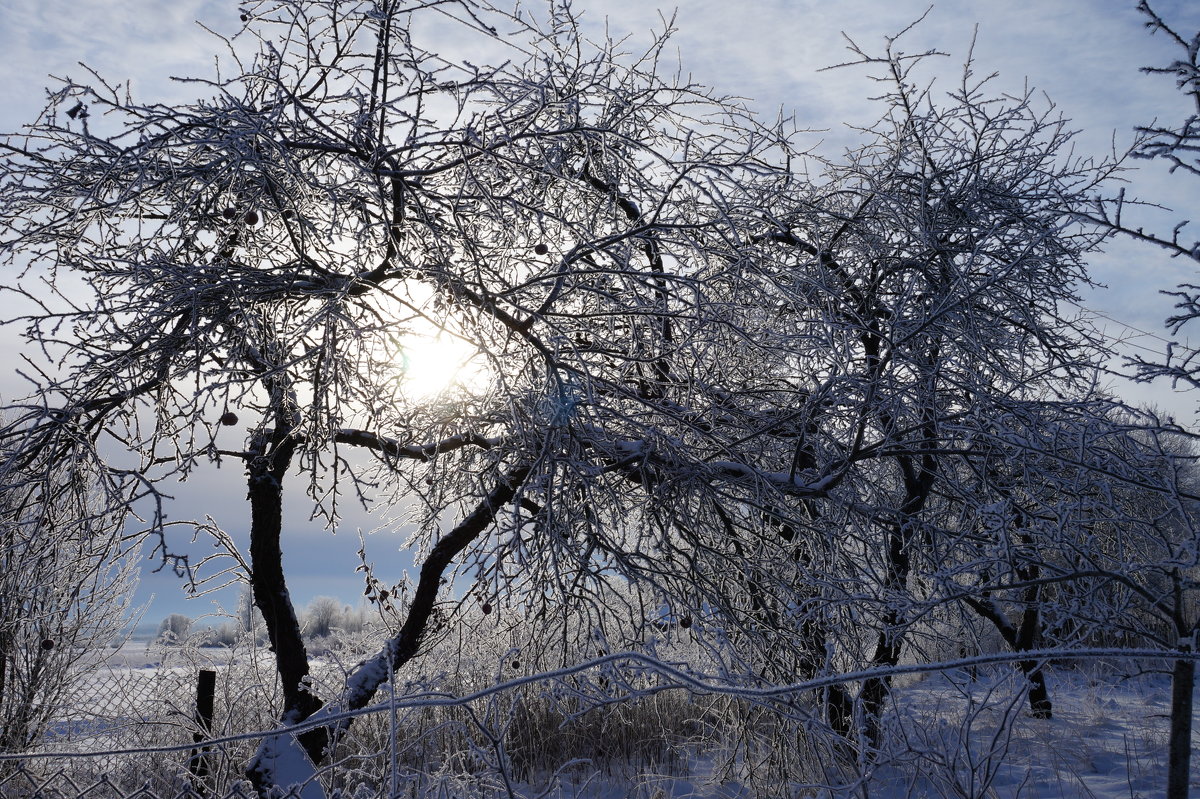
<point x="323" y="615"/>
<point x="174" y="628"/>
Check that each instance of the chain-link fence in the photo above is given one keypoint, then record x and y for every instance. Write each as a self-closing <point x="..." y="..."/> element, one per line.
<point x="147" y="731"/>
<point x="618" y="725"/>
<point x="121" y="715"/>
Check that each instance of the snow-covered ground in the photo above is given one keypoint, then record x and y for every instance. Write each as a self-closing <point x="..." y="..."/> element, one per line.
<point x="948" y="735"/>
<point x="1107" y="738"/>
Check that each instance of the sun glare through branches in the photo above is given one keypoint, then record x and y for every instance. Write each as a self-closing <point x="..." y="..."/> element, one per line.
<point x="658" y="391"/>
<point x="432" y="362"/>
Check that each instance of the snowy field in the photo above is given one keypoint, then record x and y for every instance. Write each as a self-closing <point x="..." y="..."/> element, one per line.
<point x="1107" y="739"/>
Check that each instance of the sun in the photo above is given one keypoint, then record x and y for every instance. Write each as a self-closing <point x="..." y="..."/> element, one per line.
<point x="432" y="363"/>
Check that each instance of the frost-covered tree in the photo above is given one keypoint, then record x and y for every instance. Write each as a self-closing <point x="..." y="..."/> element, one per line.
<point x="1075" y="517"/>
<point x="1178" y="145"/>
<point x="924" y="283"/>
<point x="741" y="399"/>
<point x="1133" y="566"/>
<point x="238" y="278"/>
<point x="174" y="628"/>
<point x="65" y="590"/>
<point x="325" y="615"/>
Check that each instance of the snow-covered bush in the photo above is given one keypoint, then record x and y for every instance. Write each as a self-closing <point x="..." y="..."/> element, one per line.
<point x="65" y="592"/>
<point x="174" y="628"/>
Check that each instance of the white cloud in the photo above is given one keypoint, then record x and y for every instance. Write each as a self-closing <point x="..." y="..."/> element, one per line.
<point x="139" y="40"/>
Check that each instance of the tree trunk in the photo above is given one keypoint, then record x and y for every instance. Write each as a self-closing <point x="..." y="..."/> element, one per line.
<point x="814" y="631"/>
<point x="891" y="637"/>
<point x="271" y="596"/>
<point x="1023" y="638"/>
<point x="918" y="484"/>
<point x="918" y="475"/>
<point x="1040" y="706"/>
<point x="1183" y="680"/>
<point x="368" y="676"/>
<point x="5" y="648"/>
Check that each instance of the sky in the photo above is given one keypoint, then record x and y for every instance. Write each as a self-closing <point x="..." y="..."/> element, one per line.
<point x="1083" y="54"/>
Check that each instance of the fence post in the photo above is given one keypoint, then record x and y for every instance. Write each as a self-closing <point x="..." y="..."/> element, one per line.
<point x="206" y="689"/>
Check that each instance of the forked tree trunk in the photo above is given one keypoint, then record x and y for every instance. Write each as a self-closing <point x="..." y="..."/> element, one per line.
<point x="1040" y="706"/>
<point x="366" y="678"/>
<point x="1022" y="638"/>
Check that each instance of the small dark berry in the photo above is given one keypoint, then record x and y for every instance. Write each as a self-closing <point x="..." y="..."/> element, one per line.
<point x="685" y="622"/>
<point x="48" y="644"/>
<point x="229" y="418"/>
<point x="541" y="249"/>
<point x="516" y="664"/>
<point x="486" y="608"/>
<point x="229" y="213"/>
<point x="288" y="213"/>
<point x="251" y="218"/>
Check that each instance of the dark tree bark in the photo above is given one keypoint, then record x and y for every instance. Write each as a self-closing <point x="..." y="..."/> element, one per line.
<point x="270" y="590"/>
<point x="366" y="679"/>
<point x="1179" y="748"/>
<point x="1183" y="687"/>
<point x="1023" y="636"/>
<point x="919" y="475"/>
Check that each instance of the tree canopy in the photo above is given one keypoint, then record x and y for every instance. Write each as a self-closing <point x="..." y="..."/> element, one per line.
<point x="805" y="405"/>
